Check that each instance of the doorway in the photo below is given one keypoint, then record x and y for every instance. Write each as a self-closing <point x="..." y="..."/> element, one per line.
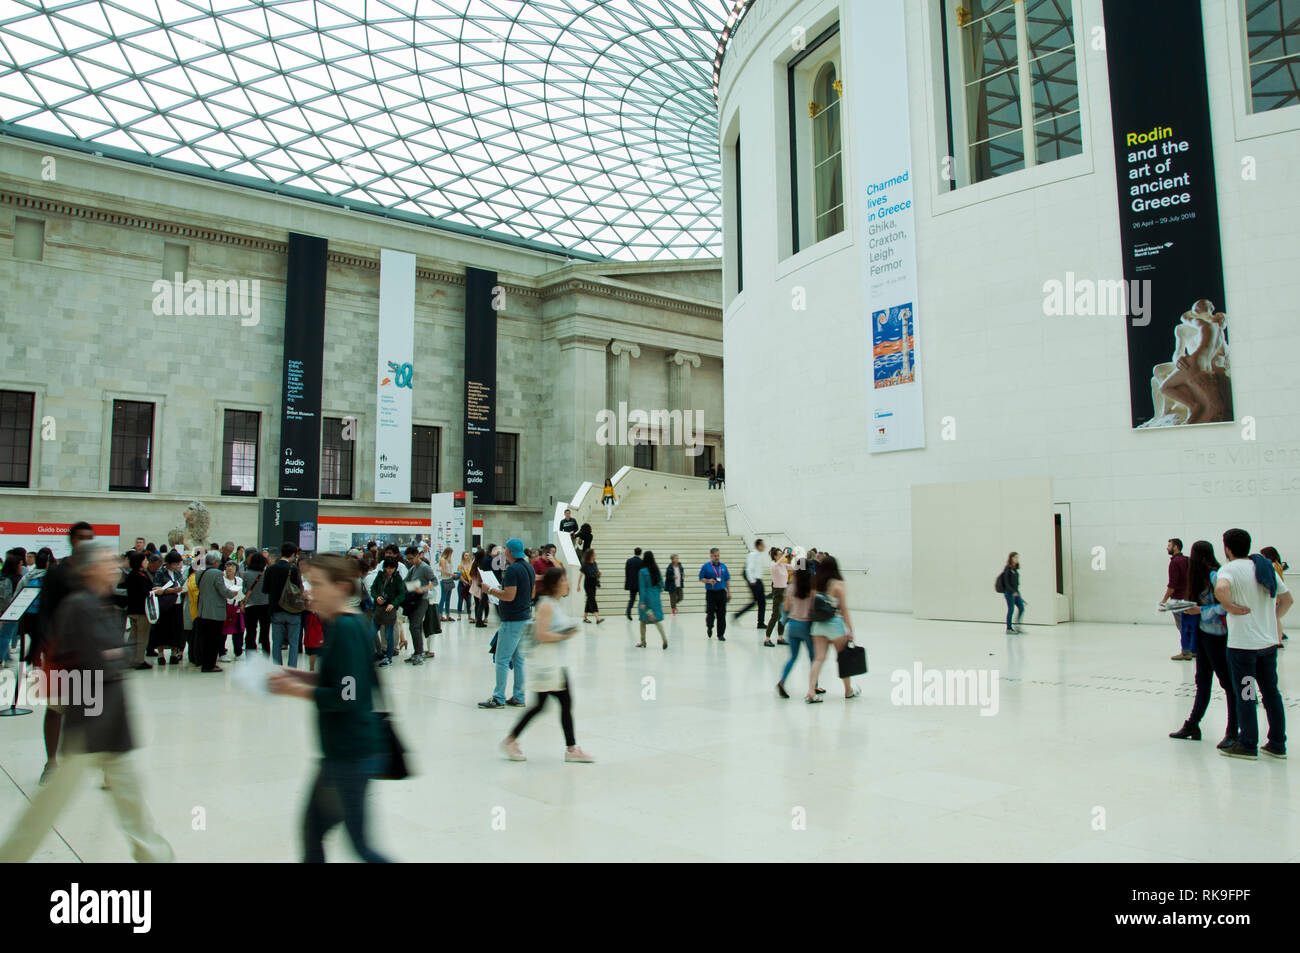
<point x="1064" y="596"/>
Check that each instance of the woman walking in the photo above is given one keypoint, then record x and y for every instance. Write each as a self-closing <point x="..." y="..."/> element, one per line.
<point x="828" y="588"/>
<point x="233" y="628"/>
<point x="388" y="591"/>
<point x="1211" y="642"/>
<point x="462" y="588"/>
<point x="780" y="579"/>
<point x="352" y="740"/>
<point x="1010" y="580"/>
<point x="797" y="604"/>
<point x="584" y="538"/>
<point x="257" y="608"/>
<point x="608" y="499"/>
<point x="86" y="645"/>
<point x="589" y="580"/>
<point x="446" y="580"/>
<point x="547" y="674"/>
<point x="674" y="576"/>
<point x="650" y="588"/>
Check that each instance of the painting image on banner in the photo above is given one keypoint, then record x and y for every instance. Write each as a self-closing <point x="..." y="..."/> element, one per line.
<point x="1180" y="371"/>
<point x="893" y="347"/>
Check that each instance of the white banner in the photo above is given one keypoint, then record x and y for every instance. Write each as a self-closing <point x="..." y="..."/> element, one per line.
<point x="876" y="95"/>
<point x="450" y="523"/>
<point x="396" y="369"/>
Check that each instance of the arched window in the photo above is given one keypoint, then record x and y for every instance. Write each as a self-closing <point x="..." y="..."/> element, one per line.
<point x="827" y="143"/>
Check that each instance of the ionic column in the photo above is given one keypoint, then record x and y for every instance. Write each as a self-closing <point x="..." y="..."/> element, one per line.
<point x="619" y="454"/>
<point x="680" y="398"/>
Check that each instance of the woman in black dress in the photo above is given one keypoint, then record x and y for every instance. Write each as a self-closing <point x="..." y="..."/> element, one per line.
<point x="589" y="580"/>
<point x="169" y="631"/>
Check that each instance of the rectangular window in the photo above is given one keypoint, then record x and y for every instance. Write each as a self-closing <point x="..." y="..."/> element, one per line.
<point x="643" y="456"/>
<point x="17" y="417"/>
<point x="1013" y="85"/>
<point x="425" y="444"/>
<point x="239" y="453"/>
<point x="816" y="141"/>
<point x="338" y="438"/>
<point x="1273" y="44"/>
<point x="130" y="461"/>
<point x="740" y="227"/>
<point x="29" y="239"/>
<point x="507" y="469"/>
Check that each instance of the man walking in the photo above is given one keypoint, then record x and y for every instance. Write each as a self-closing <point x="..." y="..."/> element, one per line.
<point x="717" y="582"/>
<point x="569" y="525"/>
<point x="632" y="579"/>
<point x="1248" y="587"/>
<point x="1174" y="589"/>
<point x="420" y="573"/>
<point x="754" y="579"/>
<point x="516" y="608"/>
<point x="285" y="626"/>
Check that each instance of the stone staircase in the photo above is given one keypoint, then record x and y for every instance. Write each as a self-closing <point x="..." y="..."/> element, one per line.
<point x="686" y="521"/>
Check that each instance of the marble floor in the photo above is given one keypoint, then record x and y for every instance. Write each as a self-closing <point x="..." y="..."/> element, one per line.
<point x="698" y="759"/>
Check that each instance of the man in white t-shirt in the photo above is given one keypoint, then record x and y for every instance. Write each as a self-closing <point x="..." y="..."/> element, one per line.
<point x="1256" y="599"/>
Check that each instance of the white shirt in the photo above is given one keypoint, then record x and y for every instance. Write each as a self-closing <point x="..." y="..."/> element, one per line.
<point x="1257" y="629"/>
<point x="754" y="566"/>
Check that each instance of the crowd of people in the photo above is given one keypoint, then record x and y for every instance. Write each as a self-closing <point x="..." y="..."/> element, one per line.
<point x="99" y="613"/>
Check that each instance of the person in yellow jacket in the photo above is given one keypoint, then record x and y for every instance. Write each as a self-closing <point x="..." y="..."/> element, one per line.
<point x="191" y="609"/>
<point x="608" y="499"/>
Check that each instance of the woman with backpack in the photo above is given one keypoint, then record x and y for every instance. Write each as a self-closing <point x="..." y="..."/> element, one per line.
<point x="831" y="624"/>
<point x="1210" y="620"/>
<point x="1008" y="583"/>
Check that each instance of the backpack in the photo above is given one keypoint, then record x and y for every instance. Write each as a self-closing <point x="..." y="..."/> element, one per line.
<point x="1000" y="583"/>
<point x="291" y="598"/>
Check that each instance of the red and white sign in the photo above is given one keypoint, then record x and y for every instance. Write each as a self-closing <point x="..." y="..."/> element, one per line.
<point x="338" y="534"/>
<point x="35" y="536"/>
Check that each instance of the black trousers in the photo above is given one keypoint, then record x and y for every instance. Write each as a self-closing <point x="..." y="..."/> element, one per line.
<point x="481" y="609"/>
<point x="565" y="698"/>
<point x="211" y="640"/>
<point x="1212" y="663"/>
<point x="715" y="606"/>
<point x="757" y="597"/>
<point x="774" y="620"/>
<point x="257" y="628"/>
<point x="631" y="600"/>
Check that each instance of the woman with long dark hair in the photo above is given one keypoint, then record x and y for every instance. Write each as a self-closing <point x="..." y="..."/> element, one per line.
<point x="584" y="538"/>
<point x="547" y="674"/>
<point x="828" y="589"/>
<point x="257" y="607"/>
<point x="11" y="576"/>
<point x="798" y="602"/>
<point x="589" y="580"/>
<point x="650" y="587"/>
<point x="1211" y="642"/>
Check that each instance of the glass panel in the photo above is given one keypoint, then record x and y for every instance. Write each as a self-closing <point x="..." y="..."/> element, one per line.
<point x="16" y="421"/>
<point x="131" y="446"/>
<point x="1058" y="138"/>
<point x="998" y="156"/>
<point x="1056" y="85"/>
<point x="1275" y="85"/>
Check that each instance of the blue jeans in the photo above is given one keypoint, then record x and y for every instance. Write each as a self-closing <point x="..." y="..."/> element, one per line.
<point x="388" y="634"/>
<point x="1014" y="602"/>
<point x="510" y="655"/>
<point x="339" y="794"/>
<point x="797" y="632"/>
<point x="1259" y="666"/>
<point x="1188" y="626"/>
<point x="444" y="597"/>
<point x="8" y="637"/>
<point x="285" y="626"/>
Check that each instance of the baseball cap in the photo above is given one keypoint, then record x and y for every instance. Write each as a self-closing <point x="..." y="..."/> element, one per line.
<point x="516" y="547"/>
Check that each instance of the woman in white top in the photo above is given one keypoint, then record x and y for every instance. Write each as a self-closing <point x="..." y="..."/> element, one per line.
<point x="547" y="675"/>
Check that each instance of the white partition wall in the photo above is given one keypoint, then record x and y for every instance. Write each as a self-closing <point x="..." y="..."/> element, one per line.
<point x="962" y="534"/>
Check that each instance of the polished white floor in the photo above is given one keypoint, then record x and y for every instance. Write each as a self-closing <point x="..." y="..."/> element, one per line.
<point x="699" y="760"/>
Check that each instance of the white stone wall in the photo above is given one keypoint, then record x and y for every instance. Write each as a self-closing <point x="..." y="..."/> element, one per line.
<point x="1029" y="395"/>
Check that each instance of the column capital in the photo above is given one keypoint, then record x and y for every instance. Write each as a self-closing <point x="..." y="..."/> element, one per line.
<point x="618" y="347"/>
<point x="684" y="357"/>
<point x="586" y="342"/>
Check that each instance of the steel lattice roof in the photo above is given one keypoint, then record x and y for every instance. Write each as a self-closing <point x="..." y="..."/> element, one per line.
<point x="584" y="124"/>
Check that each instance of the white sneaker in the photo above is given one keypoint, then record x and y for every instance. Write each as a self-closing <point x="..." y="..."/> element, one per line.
<point x="512" y="751"/>
<point x="577" y="756"/>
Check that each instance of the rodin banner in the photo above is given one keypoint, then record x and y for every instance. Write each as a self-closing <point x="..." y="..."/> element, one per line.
<point x="395" y="377"/>
<point x="876" y="94"/>
<point x="304" y="351"/>
<point x="482" y="299"/>
<point x="1179" y="372"/>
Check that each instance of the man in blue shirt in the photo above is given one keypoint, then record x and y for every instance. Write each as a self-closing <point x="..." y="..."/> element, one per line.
<point x="516" y="608"/>
<point x="717" y="580"/>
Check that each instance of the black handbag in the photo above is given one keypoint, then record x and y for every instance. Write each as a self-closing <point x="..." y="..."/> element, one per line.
<point x="852" y="661"/>
<point x="823" y="609"/>
<point x="395" y="767"/>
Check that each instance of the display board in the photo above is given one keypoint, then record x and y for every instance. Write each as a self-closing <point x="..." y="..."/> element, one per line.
<point x="1177" y="325"/>
<point x="395" y="377"/>
<point x="451" y="521"/>
<point x="338" y="534"/>
<point x="36" y="536"/>
<point x="878" y="97"/>
<point x="304" y="354"/>
<point x="482" y="297"/>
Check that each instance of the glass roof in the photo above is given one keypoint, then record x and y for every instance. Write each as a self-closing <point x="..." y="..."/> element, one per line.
<point x="584" y="124"/>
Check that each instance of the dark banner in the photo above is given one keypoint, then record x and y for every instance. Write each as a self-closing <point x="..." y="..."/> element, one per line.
<point x="1169" y="214"/>
<point x="288" y="521"/>
<point x="480" y="456"/>
<point x="304" y="353"/>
